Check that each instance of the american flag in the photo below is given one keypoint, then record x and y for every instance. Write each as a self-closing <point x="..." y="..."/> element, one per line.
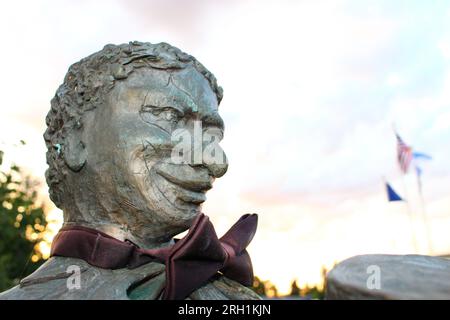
<point x="404" y="154"/>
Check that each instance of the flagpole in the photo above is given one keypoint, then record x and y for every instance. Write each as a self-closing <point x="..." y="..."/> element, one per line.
<point x="410" y="214"/>
<point x="386" y="186"/>
<point x="408" y="207"/>
<point x="424" y="215"/>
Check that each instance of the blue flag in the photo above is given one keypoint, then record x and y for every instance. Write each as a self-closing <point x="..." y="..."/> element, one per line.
<point x="421" y="155"/>
<point x="392" y="195"/>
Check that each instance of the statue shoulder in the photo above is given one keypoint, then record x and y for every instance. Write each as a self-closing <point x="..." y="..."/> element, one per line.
<point x="220" y="288"/>
<point x="223" y="288"/>
<point x="74" y="279"/>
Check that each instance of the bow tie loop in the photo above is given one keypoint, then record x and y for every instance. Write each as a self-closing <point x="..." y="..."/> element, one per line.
<point x="201" y="246"/>
<point x="241" y="233"/>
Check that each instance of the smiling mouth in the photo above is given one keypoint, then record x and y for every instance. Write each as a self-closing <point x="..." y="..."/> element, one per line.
<point x="192" y="190"/>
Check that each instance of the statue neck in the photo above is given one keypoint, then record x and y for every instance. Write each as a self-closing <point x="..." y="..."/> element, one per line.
<point x="118" y="232"/>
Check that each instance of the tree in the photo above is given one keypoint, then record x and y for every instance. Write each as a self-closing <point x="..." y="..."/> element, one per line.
<point x="295" y="290"/>
<point x="22" y="226"/>
<point x="264" y="288"/>
<point x="258" y="286"/>
<point x="317" y="291"/>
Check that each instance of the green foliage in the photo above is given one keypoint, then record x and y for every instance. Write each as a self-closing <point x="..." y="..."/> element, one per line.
<point x="307" y="292"/>
<point x="314" y="292"/>
<point x="264" y="288"/>
<point x="22" y="223"/>
<point x="295" y="290"/>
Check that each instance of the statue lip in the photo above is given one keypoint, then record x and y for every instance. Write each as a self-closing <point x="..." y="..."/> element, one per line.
<point x="192" y="197"/>
<point x="194" y="183"/>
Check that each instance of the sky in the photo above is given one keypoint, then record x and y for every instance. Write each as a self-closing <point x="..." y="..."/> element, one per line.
<point x="312" y="91"/>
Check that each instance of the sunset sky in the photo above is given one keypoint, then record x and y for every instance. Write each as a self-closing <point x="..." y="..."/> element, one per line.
<point x="311" y="92"/>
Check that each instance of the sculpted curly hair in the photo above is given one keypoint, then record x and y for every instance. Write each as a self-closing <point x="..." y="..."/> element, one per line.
<point x="85" y="86"/>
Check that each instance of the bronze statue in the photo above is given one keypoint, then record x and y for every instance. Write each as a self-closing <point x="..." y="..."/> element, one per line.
<point x="110" y="141"/>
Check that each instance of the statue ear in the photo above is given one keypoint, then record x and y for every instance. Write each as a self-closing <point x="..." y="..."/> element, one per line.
<point x="74" y="152"/>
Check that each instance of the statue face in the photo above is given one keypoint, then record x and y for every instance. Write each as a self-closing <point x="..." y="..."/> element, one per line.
<point x="130" y="141"/>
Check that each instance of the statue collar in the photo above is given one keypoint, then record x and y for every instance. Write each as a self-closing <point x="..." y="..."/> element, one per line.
<point x="190" y="262"/>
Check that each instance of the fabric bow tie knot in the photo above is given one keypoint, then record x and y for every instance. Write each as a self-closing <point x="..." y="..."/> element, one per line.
<point x="190" y="262"/>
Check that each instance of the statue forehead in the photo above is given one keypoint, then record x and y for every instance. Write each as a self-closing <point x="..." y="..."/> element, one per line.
<point x="186" y="84"/>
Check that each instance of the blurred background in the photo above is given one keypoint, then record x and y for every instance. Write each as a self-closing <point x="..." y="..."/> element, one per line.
<point x="313" y="91"/>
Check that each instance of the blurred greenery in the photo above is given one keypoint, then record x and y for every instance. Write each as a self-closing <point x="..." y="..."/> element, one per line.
<point x="265" y="288"/>
<point x="22" y="223"/>
<point x="314" y="292"/>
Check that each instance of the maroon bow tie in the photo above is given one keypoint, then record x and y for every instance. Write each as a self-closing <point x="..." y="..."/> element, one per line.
<point x="190" y="262"/>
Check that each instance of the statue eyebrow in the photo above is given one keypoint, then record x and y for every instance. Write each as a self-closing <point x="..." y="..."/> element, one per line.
<point x="164" y="104"/>
<point x="182" y="101"/>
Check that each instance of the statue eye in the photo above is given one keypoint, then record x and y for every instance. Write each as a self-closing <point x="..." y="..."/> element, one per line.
<point x="169" y="114"/>
<point x="162" y="113"/>
<point x="165" y="118"/>
<point x="152" y="109"/>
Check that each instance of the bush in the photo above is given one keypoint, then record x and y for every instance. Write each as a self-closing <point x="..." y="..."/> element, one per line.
<point x="22" y="226"/>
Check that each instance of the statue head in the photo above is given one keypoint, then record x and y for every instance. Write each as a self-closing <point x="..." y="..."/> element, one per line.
<point x="113" y="141"/>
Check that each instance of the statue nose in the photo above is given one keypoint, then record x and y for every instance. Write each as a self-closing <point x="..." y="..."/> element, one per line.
<point x="219" y="166"/>
<point x="218" y="170"/>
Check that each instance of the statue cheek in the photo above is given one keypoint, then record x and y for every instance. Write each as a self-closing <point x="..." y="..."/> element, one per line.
<point x="145" y="149"/>
<point x="154" y="141"/>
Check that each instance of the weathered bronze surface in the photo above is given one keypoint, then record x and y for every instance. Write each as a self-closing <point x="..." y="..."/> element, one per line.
<point x="110" y="141"/>
<point x="389" y="277"/>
